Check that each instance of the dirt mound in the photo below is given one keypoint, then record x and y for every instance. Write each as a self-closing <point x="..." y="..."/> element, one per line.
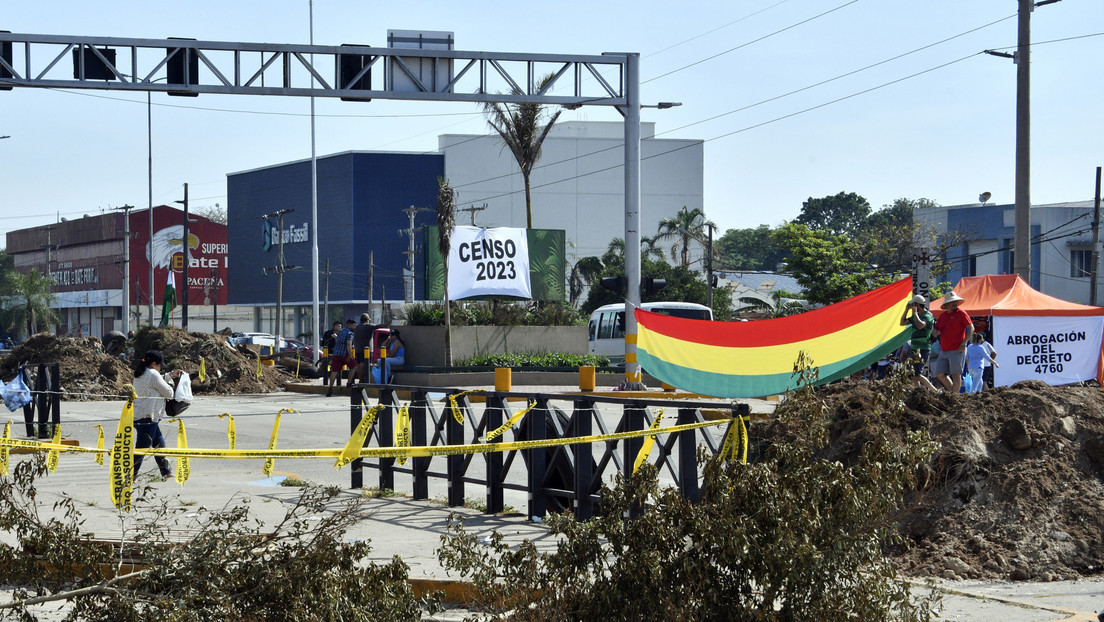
<point x="87" y="373"/>
<point x="1016" y="490"/>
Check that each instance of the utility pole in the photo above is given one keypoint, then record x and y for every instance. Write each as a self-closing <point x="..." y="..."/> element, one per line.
<point x="371" y="280"/>
<point x="326" y="306"/>
<point x="408" y="278"/>
<point x="709" y="266"/>
<point x="1023" y="143"/>
<point x="472" y="210"/>
<point x="214" y="299"/>
<point x="126" y="267"/>
<point x="1096" y="241"/>
<point x="280" y="268"/>
<point x="187" y="260"/>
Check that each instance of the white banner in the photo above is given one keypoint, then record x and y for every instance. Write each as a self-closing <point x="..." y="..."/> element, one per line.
<point x="488" y="262"/>
<point x="1057" y="350"/>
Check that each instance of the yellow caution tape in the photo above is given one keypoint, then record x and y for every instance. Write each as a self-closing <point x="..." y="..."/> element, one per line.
<point x="122" y="458"/>
<point x="271" y="461"/>
<point x="356" y="441"/>
<point x="231" y="433"/>
<point x="183" y="463"/>
<point x="456" y="412"/>
<point x="402" y="431"/>
<point x="511" y="422"/>
<point x="52" y="455"/>
<point x="99" y="444"/>
<point x="646" y="448"/>
<point x="5" y="450"/>
<point x="202" y="370"/>
<point x="736" y="442"/>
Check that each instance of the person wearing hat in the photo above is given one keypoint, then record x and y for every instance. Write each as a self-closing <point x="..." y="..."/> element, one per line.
<point x="923" y="323"/>
<point x="954" y="330"/>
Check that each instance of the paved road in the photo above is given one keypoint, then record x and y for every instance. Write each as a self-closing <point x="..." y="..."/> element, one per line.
<point x="400" y="526"/>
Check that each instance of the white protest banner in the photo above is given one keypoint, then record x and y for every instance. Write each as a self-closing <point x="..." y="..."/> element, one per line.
<point x="1056" y="349"/>
<point x="488" y="262"/>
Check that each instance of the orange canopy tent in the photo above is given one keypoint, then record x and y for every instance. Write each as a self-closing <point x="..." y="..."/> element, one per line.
<point x="1036" y="336"/>
<point x="1008" y="294"/>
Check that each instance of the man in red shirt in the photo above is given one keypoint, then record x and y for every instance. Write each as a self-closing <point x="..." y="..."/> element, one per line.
<point x="954" y="330"/>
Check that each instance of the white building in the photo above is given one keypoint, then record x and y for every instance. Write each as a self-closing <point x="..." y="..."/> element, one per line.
<point x="578" y="184"/>
<point x="1061" y="244"/>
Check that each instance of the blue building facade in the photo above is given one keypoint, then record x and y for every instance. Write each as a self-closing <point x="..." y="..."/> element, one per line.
<point x="361" y="198"/>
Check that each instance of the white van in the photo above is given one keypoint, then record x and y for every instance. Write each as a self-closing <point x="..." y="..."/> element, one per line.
<point x="607" y="324"/>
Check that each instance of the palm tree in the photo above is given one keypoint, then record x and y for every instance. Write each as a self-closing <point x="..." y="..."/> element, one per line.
<point x="768" y="310"/>
<point x="584" y="274"/>
<point x="684" y="226"/>
<point x="31" y="291"/>
<point x="523" y="128"/>
<point x="446" y="222"/>
<point x="649" y="247"/>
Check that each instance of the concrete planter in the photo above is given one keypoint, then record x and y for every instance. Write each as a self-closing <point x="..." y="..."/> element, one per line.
<point x="425" y="345"/>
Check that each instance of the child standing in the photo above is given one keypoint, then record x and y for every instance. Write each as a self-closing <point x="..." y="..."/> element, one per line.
<point x="976" y="357"/>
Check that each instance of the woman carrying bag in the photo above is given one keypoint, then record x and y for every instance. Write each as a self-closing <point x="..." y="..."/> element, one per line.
<point x="151" y="389"/>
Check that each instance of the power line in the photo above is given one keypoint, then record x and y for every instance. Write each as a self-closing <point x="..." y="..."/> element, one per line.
<point x="753" y="41"/>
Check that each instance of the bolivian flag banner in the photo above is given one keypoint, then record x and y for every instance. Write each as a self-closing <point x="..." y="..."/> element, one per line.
<point x="752" y="359"/>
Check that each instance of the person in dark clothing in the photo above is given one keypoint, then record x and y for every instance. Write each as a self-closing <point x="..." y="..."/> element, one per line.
<point x="362" y="348"/>
<point x="329" y="338"/>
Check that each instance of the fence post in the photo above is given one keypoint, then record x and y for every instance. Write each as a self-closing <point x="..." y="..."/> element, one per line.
<point x="29" y="407"/>
<point x="688" y="458"/>
<point x="634" y="420"/>
<point x="455" y="436"/>
<point x="356" y="411"/>
<point x="42" y="386"/>
<point x="418" y="416"/>
<point x="386" y="422"/>
<point x="493" y="416"/>
<point x="537" y="423"/>
<point x="582" y="421"/>
<point x="55" y="395"/>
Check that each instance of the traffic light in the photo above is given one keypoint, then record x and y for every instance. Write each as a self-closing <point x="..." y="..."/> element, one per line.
<point x="350" y="66"/>
<point x="615" y="284"/>
<point x="650" y="285"/>
<point x="6" y="54"/>
<point x="87" y="64"/>
<point x="182" y="67"/>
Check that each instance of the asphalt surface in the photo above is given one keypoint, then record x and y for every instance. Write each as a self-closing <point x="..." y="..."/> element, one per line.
<point x="399" y="525"/>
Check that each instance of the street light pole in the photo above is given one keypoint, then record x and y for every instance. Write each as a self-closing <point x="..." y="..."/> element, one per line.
<point x="1023" y="143"/>
<point x="187" y="260"/>
<point x="149" y="172"/>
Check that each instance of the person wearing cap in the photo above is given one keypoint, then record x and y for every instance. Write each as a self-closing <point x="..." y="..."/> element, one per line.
<point x="923" y="323"/>
<point x="954" y="330"/>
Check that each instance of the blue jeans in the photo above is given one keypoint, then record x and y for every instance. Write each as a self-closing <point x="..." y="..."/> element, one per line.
<point x="387" y="363"/>
<point x="148" y="434"/>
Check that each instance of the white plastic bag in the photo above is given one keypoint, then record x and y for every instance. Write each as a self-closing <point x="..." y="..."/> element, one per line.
<point x="183" y="392"/>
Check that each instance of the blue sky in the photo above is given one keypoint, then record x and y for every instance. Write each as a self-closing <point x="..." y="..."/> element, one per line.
<point x="936" y="122"/>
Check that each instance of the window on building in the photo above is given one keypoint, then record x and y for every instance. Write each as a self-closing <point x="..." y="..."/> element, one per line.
<point x="1080" y="262"/>
<point x="971" y="265"/>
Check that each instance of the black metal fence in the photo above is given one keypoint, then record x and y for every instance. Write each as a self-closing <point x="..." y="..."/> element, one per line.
<point x="45" y="386"/>
<point x="558" y="478"/>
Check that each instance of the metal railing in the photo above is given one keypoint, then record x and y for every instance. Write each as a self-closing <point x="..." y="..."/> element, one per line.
<point x="557" y="478"/>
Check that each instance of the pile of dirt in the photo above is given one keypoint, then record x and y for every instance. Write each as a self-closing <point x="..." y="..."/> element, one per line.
<point x="1016" y="490"/>
<point x="87" y="373"/>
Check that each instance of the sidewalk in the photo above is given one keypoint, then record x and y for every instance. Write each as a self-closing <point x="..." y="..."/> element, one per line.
<point x="398" y="525"/>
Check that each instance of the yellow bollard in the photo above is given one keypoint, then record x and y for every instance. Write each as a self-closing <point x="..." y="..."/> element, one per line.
<point x="586" y="378"/>
<point x="503" y="379"/>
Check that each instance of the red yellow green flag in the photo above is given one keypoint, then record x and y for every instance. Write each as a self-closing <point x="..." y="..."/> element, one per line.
<point x="751" y="359"/>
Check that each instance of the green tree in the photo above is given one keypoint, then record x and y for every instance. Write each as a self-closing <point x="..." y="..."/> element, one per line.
<point x="585" y="273"/>
<point x="684" y="226"/>
<point x="523" y="128"/>
<point x="748" y="249"/>
<point x="845" y="212"/>
<point x="683" y="285"/>
<point x="768" y="309"/>
<point x="830" y="267"/>
<point x="446" y="222"/>
<point x="31" y="297"/>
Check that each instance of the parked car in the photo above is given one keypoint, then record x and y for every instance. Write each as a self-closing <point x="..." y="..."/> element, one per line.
<point x="294" y="347"/>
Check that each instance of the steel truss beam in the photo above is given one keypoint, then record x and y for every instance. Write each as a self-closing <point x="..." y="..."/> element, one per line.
<point x="121" y="64"/>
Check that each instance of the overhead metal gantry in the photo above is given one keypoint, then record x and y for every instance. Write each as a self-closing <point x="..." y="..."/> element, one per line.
<point x="351" y="72"/>
<point x="345" y="71"/>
